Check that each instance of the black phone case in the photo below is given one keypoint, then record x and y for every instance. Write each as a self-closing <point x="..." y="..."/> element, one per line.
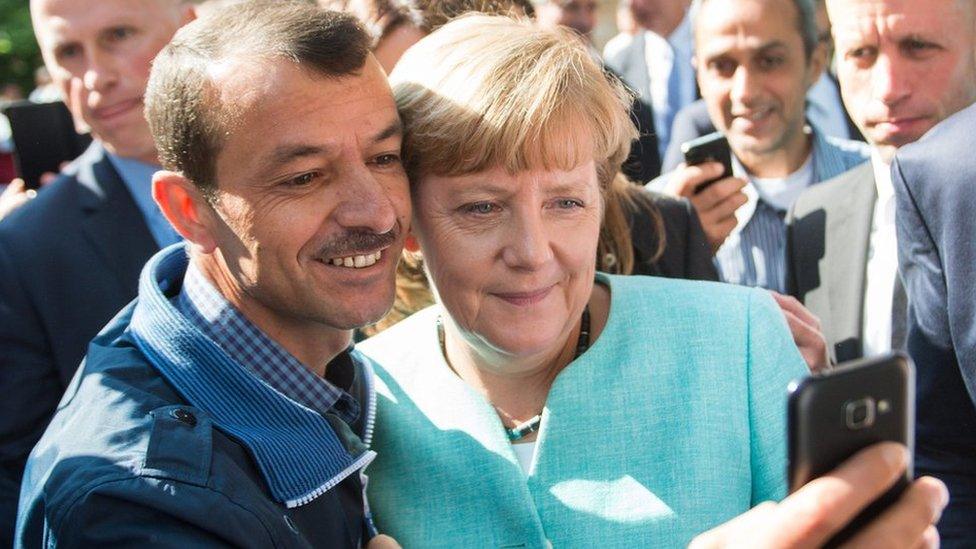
<point x="820" y="436"/>
<point x="713" y="147"/>
<point x="44" y="137"/>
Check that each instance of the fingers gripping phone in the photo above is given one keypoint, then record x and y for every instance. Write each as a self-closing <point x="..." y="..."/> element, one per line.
<point x="834" y="415"/>
<point x="713" y="147"/>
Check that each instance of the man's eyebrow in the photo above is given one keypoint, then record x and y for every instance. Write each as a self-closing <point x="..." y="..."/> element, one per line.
<point x="287" y="153"/>
<point x="395" y="128"/>
<point x="771" y="46"/>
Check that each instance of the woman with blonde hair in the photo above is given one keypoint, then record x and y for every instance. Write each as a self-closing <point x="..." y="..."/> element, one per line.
<point x="540" y="401"/>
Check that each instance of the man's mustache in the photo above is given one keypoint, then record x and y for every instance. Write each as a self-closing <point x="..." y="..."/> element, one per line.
<point x="358" y="243"/>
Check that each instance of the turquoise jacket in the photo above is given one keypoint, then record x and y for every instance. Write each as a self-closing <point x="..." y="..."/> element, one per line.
<point x="671" y="423"/>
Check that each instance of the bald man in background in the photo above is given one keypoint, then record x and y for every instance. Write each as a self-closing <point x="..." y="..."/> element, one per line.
<point x="70" y="258"/>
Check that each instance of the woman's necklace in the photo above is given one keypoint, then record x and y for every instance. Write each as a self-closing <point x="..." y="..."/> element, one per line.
<point x="523" y="429"/>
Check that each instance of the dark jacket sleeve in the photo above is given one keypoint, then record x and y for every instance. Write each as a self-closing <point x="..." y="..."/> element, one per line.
<point x="686" y="252"/>
<point x="29" y="383"/>
<point x="147" y="512"/>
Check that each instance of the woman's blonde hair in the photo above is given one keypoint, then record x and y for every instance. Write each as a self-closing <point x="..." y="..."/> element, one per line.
<point x="487" y="91"/>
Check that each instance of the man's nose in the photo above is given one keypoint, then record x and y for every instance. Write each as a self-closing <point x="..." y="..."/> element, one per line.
<point x="889" y="80"/>
<point x="100" y="72"/>
<point x="368" y="202"/>
<point x="744" y="85"/>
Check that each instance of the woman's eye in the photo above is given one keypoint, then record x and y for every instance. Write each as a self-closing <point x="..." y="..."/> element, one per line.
<point x="480" y="208"/>
<point x="568" y="203"/>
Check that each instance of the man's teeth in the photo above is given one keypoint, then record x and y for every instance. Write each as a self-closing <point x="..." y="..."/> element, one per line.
<point x="356" y="261"/>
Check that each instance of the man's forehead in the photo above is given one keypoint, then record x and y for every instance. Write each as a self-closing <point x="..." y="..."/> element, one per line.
<point x="66" y="19"/>
<point x="742" y="24"/>
<point x="277" y="92"/>
<point x="900" y="16"/>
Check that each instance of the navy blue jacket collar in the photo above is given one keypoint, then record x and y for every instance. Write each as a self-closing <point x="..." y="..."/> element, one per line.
<point x="297" y="451"/>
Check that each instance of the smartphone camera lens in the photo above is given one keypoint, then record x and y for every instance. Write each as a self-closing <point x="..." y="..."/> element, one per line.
<point x="860" y="413"/>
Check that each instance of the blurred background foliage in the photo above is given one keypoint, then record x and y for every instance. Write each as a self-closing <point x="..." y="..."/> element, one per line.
<point x="19" y="54"/>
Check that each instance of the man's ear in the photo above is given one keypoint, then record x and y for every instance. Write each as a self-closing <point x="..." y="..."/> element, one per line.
<point x="185" y="207"/>
<point x="188" y="14"/>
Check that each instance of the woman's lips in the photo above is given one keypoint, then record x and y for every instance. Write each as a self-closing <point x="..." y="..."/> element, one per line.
<point x="524" y="298"/>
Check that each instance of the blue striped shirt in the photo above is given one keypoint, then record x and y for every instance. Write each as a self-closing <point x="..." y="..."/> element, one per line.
<point x="247" y="345"/>
<point x="755" y="252"/>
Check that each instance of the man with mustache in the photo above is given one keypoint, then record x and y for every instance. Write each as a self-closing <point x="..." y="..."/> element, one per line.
<point x="225" y="405"/>
<point x="70" y="258"/>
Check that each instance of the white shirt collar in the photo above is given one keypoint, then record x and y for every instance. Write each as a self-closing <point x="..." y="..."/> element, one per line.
<point x="766" y="188"/>
<point x="882" y="177"/>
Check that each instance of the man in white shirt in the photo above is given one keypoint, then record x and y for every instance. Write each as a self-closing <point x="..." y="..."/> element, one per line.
<point x="657" y="62"/>
<point x="898" y="80"/>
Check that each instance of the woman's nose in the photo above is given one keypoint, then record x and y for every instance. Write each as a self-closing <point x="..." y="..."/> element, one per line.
<point x="528" y="244"/>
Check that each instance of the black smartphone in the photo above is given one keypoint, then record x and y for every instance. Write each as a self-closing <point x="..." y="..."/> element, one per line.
<point x="708" y="148"/>
<point x="834" y="415"/>
<point x="44" y="137"/>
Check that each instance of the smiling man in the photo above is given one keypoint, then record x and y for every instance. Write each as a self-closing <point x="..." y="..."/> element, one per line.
<point x="70" y="259"/>
<point x="225" y="405"/>
<point x="756" y="59"/>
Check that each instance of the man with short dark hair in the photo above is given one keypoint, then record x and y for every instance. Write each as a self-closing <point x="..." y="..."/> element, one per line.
<point x="70" y="258"/>
<point x="755" y="62"/>
<point x="225" y="406"/>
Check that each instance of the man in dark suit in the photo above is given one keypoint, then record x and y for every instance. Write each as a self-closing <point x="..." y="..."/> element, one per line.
<point x="935" y="189"/>
<point x="898" y="81"/>
<point x="656" y="65"/>
<point x="70" y="259"/>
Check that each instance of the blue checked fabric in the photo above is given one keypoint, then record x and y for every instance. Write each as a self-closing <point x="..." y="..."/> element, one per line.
<point x="247" y="345"/>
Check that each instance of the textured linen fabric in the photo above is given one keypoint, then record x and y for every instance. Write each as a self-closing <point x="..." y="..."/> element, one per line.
<point x="671" y="423"/>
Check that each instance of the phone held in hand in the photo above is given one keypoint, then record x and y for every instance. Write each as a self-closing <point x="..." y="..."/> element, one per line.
<point x="713" y="147"/>
<point x="835" y="414"/>
<point x="44" y="136"/>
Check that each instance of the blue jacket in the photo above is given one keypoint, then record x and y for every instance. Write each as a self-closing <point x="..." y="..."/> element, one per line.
<point x="936" y="195"/>
<point x="162" y="440"/>
<point x="69" y="260"/>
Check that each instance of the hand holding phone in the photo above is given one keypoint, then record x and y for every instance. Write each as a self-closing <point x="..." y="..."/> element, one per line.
<point x="713" y="147"/>
<point x="812" y="515"/>
<point x="705" y="180"/>
<point x="834" y="415"/>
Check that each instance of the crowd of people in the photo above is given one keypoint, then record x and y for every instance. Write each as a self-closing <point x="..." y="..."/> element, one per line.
<point x="433" y="273"/>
